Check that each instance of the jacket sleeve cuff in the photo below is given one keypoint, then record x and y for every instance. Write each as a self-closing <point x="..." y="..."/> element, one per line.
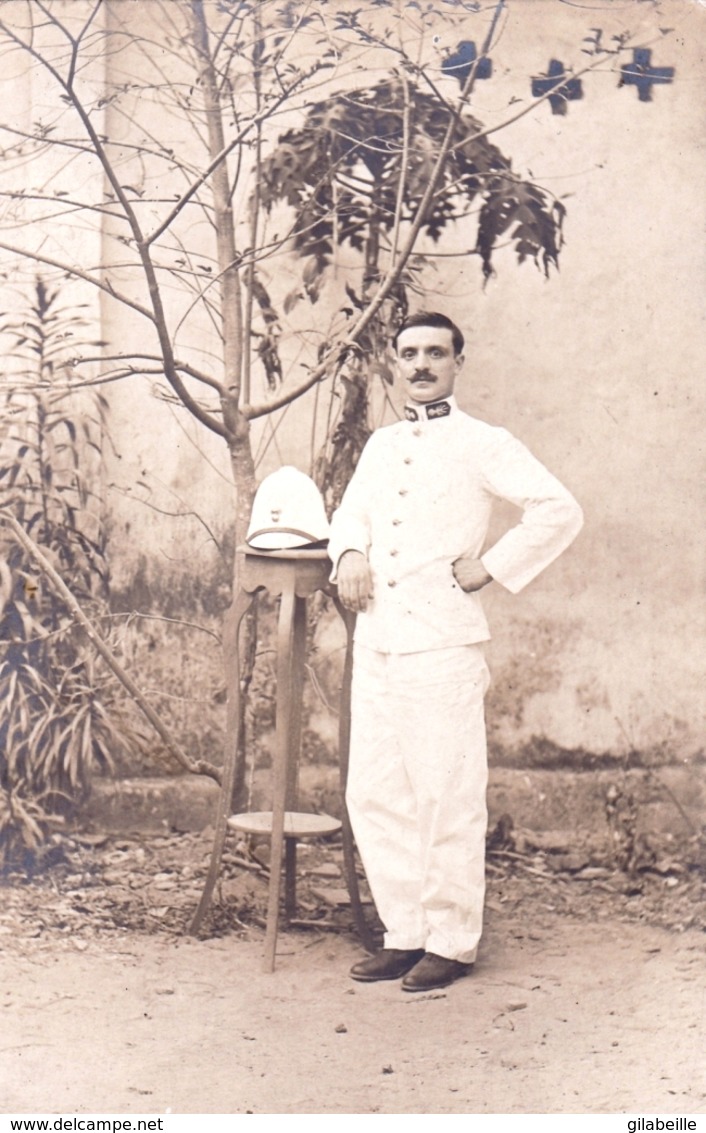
<point x="348" y="533"/>
<point x="520" y="555"/>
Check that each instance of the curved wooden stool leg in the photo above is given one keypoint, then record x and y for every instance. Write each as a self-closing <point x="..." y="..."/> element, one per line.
<point x="238" y="611"/>
<point x="344" y="739"/>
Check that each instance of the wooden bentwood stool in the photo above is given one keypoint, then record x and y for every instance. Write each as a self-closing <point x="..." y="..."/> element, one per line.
<point x="294" y="576"/>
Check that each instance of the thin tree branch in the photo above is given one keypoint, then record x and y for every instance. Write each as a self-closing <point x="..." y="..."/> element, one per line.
<point x="72" y="270"/>
<point x="336" y="354"/>
<point x="59" y="199"/>
<point x="184" y="367"/>
<point x="220" y="157"/>
<point x="404" y="165"/>
<point x="158" y="316"/>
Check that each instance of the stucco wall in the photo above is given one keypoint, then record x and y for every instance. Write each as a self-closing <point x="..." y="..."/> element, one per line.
<point x="598" y="370"/>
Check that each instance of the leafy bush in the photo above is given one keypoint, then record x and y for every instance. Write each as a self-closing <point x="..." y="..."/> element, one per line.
<point x="54" y="723"/>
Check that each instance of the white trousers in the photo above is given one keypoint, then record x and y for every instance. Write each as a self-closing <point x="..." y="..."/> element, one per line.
<point x="416" y="793"/>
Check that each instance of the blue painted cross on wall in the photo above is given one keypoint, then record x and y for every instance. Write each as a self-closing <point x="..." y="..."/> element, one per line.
<point x="459" y="65"/>
<point x="640" y="74"/>
<point x="554" y="81"/>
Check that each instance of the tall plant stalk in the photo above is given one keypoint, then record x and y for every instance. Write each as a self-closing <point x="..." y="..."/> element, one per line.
<point x="55" y="723"/>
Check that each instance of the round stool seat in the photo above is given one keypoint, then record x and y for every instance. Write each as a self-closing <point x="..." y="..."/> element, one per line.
<point x="296" y="824"/>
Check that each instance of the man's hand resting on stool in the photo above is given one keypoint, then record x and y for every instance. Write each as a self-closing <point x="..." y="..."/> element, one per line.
<point x="354" y="581"/>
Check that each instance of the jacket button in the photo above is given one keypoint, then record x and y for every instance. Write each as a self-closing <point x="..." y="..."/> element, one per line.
<point x="402" y="492"/>
<point x="408" y="460"/>
<point x="396" y="522"/>
<point x="417" y="432"/>
<point x="392" y="582"/>
<point x="394" y="552"/>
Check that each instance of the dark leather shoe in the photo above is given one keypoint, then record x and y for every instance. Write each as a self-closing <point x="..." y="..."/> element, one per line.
<point x="434" y="971"/>
<point x="390" y="964"/>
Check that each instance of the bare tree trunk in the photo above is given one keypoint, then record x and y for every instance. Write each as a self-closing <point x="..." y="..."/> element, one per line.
<point x="237" y="425"/>
<point x="244" y="475"/>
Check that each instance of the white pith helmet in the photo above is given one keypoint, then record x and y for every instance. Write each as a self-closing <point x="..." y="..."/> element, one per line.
<point x="287" y="512"/>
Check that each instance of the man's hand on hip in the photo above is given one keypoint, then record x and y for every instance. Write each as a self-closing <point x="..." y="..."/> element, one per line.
<point x="354" y="580"/>
<point x="470" y="574"/>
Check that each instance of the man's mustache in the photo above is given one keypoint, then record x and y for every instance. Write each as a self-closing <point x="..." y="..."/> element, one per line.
<point x="423" y="376"/>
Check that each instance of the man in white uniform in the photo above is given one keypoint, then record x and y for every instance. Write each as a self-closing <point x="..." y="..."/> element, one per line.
<point x="407" y="548"/>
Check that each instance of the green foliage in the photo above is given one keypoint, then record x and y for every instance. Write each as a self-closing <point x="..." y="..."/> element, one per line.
<point x="335" y="463"/>
<point x="24" y="824"/>
<point x="47" y="476"/>
<point x="537" y="223"/>
<point x="343" y="171"/>
<point x="54" y="723"/>
<point x="356" y="174"/>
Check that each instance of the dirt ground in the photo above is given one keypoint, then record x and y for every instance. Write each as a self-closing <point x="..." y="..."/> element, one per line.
<point x="588" y="996"/>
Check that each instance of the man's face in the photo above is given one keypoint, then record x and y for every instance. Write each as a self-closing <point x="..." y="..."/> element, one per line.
<point x="426" y="363"/>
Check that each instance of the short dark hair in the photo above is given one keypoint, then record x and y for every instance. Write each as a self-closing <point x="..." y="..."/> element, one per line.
<point x="431" y="319"/>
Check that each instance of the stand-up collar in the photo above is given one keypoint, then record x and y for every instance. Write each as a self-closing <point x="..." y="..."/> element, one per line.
<point x="432" y="410"/>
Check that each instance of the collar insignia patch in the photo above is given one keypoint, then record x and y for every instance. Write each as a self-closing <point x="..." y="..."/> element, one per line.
<point x="438" y="409"/>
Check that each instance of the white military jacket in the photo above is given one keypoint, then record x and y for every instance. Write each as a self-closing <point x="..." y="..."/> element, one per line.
<point x="420" y="497"/>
